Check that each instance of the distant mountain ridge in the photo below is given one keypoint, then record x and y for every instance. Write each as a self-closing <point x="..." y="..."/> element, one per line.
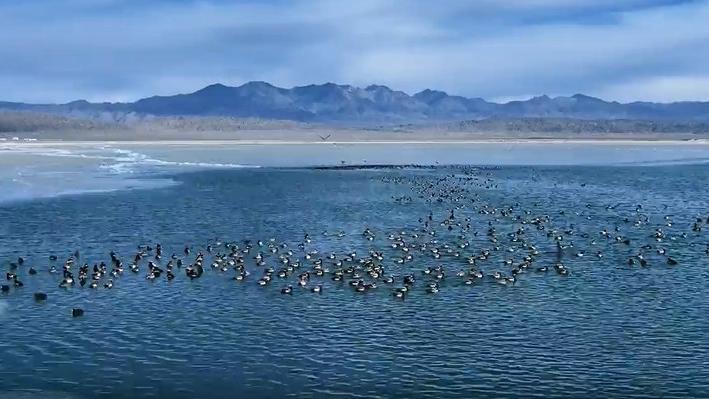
<point x="374" y="104"/>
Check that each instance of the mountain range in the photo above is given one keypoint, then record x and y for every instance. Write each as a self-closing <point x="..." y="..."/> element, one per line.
<point x="375" y="104"/>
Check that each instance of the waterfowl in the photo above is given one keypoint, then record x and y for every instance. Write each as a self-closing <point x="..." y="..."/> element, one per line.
<point x="363" y="272"/>
<point x="66" y="282"/>
<point x="506" y="280"/>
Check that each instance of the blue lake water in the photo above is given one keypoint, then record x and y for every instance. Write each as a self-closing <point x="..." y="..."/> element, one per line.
<point x="607" y="329"/>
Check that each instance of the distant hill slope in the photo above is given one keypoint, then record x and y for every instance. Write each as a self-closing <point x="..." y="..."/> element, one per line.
<point x="349" y="105"/>
<point x="49" y="125"/>
<point x="571" y="126"/>
<point x="35" y="121"/>
<point x="24" y="121"/>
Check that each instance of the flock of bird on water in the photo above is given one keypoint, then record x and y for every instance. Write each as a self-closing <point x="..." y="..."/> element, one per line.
<point x="445" y="245"/>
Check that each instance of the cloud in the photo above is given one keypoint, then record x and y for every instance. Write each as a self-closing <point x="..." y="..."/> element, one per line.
<point x="549" y="58"/>
<point x="127" y="49"/>
<point x="659" y="88"/>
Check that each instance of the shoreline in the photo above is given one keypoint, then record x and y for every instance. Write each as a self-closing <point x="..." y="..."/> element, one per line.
<point x="203" y="142"/>
<point x="337" y="136"/>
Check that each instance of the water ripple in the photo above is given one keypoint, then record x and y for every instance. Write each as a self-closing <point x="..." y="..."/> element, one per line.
<point x="606" y="331"/>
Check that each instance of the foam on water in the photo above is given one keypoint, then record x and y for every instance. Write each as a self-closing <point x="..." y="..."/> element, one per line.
<point x="127" y="161"/>
<point x="39" y="171"/>
<point x="53" y="152"/>
<point x="115" y="159"/>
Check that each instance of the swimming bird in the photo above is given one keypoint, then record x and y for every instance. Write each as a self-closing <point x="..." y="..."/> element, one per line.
<point x="67" y="281"/>
<point x="507" y="280"/>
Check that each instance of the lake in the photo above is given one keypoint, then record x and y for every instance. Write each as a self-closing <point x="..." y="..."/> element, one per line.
<point x="604" y="328"/>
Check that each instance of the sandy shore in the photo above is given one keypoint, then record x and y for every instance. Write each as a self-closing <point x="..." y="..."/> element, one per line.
<point x="336" y="136"/>
<point x="432" y="141"/>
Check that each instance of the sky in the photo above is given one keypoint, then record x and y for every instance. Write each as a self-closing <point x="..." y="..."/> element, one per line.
<point x="123" y="50"/>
